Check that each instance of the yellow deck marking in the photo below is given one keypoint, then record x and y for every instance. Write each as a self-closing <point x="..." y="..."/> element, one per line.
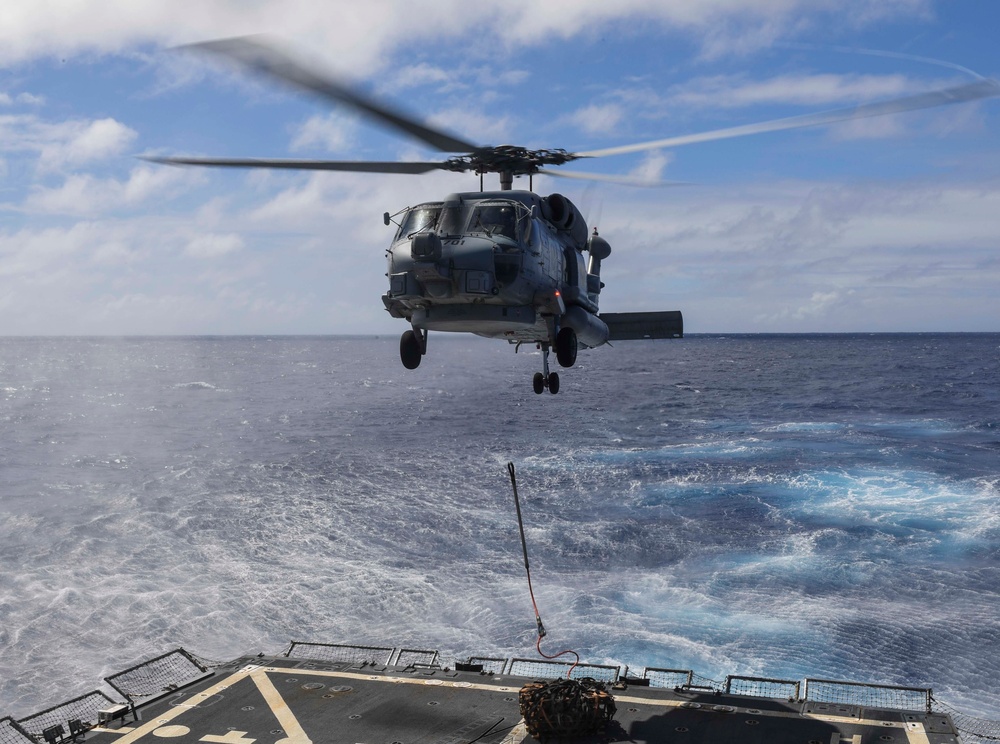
<point x="232" y="737"/>
<point x="293" y="730"/>
<point x="170" y="732"/>
<point x="517" y="734"/>
<point x="168" y="715"/>
<point x="916" y="734"/>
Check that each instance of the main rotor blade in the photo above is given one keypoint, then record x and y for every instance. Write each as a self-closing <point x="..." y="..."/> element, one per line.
<point x="958" y="94"/>
<point x="622" y="180"/>
<point x="265" y="58"/>
<point x="357" y="166"/>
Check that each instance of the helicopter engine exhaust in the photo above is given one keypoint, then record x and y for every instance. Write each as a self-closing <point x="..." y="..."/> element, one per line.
<point x="562" y="213"/>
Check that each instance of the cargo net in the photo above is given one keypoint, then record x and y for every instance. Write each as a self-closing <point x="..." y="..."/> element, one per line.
<point x="337" y="652"/>
<point x="83" y="708"/>
<point x="12" y="733"/>
<point x="868" y="695"/>
<point x="762" y="687"/>
<point x="553" y="669"/>
<point x="971" y="729"/>
<point x="157" y="676"/>
<point x="566" y="708"/>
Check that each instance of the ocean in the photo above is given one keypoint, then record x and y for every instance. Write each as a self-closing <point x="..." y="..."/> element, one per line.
<point x="782" y="506"/>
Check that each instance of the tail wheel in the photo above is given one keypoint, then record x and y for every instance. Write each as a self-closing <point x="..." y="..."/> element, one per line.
<point x="566" y="346"/>
<point x="410" y="350"/>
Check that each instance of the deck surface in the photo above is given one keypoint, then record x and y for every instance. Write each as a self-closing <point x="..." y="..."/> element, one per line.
<point x="279" y="700"/>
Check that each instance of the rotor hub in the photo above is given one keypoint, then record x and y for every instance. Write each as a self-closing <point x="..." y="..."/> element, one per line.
<point x="517" y="161"/>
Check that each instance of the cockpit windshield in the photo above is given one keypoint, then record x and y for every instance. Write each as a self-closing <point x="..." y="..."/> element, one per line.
<point x="495" y="219"/>
<point x="453" y="218"/>
<point x="420" y="218"/>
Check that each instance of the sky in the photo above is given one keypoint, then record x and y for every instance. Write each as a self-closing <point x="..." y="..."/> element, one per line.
<point x="882" y="224"/>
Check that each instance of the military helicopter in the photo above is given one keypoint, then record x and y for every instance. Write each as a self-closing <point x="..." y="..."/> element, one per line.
<point x="505" y="264"/>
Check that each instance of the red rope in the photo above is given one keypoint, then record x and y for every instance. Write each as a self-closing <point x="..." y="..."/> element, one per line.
<point x="538" y="648"/>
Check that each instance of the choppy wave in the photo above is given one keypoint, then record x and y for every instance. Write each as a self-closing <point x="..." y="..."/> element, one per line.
<point x="782" y="506"/>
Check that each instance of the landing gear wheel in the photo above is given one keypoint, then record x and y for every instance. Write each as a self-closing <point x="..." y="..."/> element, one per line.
<point x="554" y="383"/>
<point x="566" y="347"/>
<point x="410" y="350"/>
<point x="538" y="382"/>
<point x="546" y="379"/>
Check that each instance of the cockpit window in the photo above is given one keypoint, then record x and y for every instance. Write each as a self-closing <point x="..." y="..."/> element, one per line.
<point x="453" y="218"/>
<point x="495" y="219"/>
<point x="498" y="219"/>
<point x="420" y="218"/>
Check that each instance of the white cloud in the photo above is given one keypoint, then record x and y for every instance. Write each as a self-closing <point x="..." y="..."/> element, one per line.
<point x="300" y="204"/>
<point x="818" y="305"/>
<point x="652" y="166"/>
<point x="333" y="132"/>
<point x="62" y="145"/>
<point x="86" y="195"/>
<point x="423" y="73"/>
<point x="6" y="99"/>
<point x="879" y="127"/>
<point x="212" y="245"/>
<point x="77" y="195"/>
<point x="598" y="118"/>
<point x="30" y="254"/>
<point x="361" y="32"/>
<point x="808" y="257"/>
<point x="81" y="142"/>
<point x="478" y="126"/>
<point x="481" y="78"/>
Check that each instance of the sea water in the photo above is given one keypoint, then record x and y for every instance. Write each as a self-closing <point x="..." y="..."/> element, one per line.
<point x="781" y="506"/>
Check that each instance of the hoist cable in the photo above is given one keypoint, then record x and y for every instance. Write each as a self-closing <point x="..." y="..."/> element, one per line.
<point x="527" y="570"/>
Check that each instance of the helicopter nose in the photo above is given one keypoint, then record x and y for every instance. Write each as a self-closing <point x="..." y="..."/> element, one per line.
<point x="473" y="268"/>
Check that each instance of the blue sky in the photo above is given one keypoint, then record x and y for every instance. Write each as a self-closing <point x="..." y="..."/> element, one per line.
<point x="885" y="224"/>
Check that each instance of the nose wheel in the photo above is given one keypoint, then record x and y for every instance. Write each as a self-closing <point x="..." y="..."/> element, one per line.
<point x="545" y="379"/>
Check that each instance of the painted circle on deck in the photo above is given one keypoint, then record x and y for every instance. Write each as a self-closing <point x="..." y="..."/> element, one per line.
<point x="169" y="732"/>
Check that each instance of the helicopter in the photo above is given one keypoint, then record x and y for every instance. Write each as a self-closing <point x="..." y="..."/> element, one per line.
<point x="506" y="264"/>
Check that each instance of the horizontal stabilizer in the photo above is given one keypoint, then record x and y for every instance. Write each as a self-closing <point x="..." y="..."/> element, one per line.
<point x="628" y="326"/>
